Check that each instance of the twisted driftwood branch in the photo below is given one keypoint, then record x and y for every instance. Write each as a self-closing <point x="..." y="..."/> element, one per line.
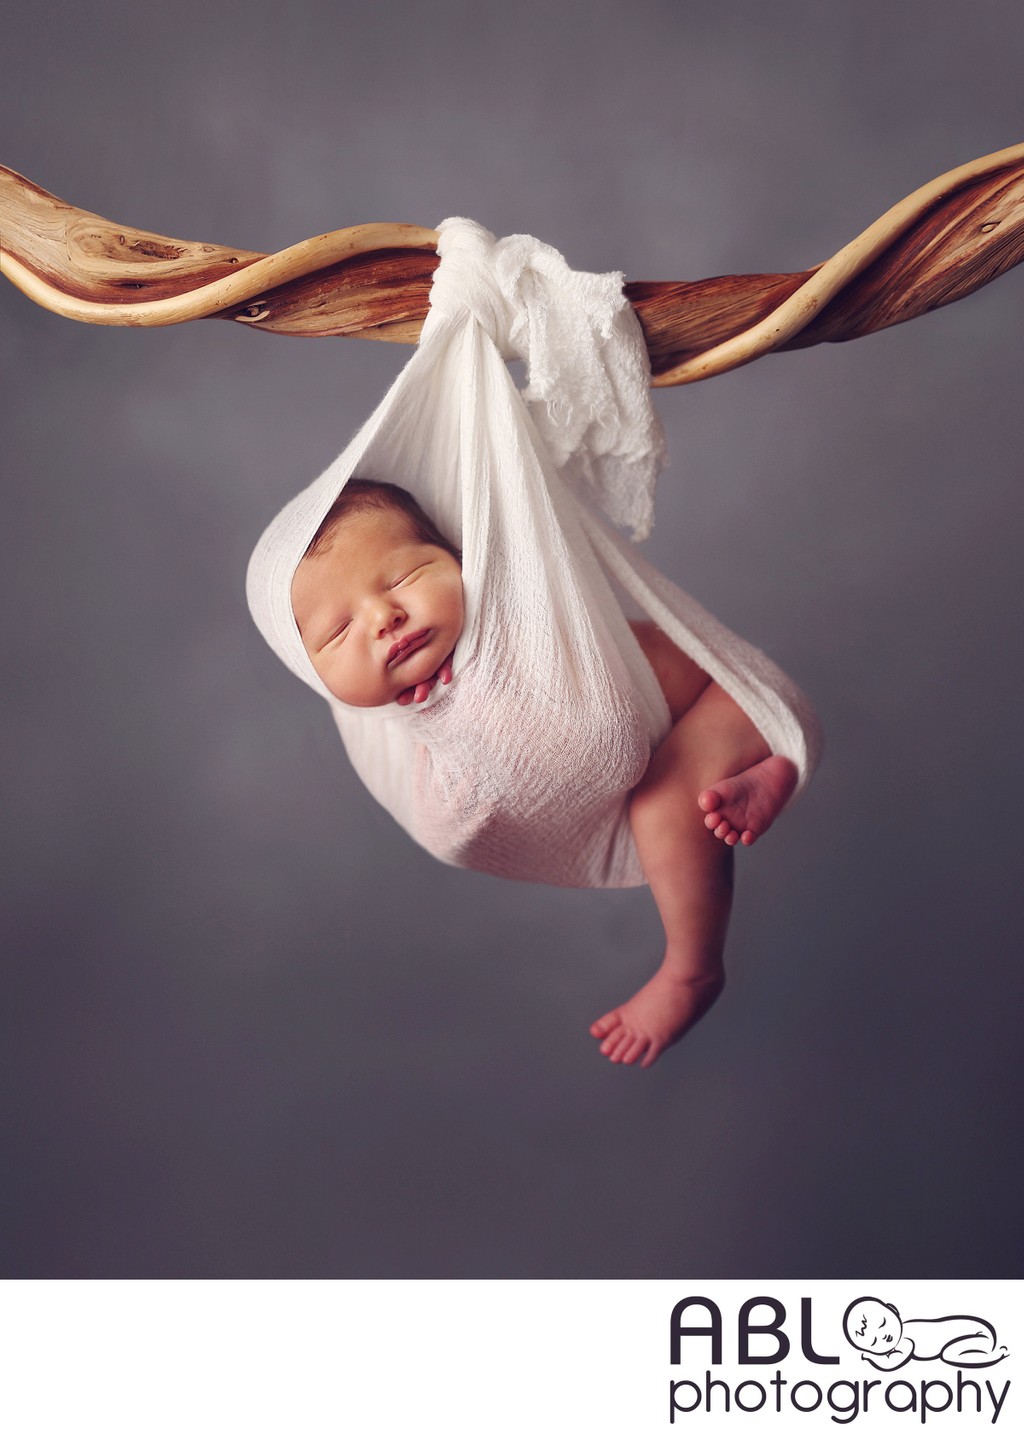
<point x="941" y="243"/>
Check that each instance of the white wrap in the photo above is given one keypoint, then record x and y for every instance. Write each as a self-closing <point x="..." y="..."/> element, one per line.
<point x="522" y="766"/>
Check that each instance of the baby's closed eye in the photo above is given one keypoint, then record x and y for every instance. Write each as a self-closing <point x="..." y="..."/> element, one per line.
<point x="338" y="633"/>
<point x="409" y="574"/>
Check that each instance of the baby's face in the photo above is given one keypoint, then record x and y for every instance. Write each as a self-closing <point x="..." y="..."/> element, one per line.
<point x="379" y="611"/>
<point x="873" y="1326"/>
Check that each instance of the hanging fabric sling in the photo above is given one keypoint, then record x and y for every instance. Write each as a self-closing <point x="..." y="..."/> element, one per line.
<point x="523" y="765"/>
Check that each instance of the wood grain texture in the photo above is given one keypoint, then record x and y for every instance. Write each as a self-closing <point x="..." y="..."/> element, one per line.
<point x="941" y="243"/>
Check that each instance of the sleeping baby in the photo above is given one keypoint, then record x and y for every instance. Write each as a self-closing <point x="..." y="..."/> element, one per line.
<point x="378" y="601"/>
<point x="473" y="632"/>
<point x="888" y="1341"/>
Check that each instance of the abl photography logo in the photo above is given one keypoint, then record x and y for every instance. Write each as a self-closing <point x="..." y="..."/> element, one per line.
<point x="945" y="1362"/>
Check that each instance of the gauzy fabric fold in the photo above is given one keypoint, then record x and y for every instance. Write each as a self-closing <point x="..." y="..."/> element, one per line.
<point x="522" y="766"/>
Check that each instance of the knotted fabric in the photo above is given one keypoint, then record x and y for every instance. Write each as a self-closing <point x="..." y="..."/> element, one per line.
<point x="523" y="765"/>
<point x="588" y="369"/>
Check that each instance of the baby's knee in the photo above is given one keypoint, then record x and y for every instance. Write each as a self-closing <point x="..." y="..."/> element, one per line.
<point x="720" y="709"/>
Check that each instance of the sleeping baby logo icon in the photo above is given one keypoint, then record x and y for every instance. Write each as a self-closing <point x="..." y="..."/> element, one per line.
<point x="887" y="1341"/>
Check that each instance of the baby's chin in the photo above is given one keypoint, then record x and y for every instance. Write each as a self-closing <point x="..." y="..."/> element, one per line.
<point x="360" y="701"/>
<point x="385" y="698"/>
<point x="420" y="668"/>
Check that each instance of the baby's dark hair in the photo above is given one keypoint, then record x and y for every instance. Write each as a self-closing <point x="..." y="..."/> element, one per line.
<point x="360" y="495"/>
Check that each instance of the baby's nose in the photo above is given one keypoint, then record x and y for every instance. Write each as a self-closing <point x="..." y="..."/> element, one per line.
<point x="389" y="616"/>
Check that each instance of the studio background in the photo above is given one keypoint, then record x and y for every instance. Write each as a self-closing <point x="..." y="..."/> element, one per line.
<point x="250" y="1030"/>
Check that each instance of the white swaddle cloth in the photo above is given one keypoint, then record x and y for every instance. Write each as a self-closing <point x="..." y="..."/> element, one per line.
<point x="522" y="766"/>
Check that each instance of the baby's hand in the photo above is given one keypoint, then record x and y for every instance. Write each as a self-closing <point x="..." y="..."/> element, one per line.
<point x="419" y="692"/>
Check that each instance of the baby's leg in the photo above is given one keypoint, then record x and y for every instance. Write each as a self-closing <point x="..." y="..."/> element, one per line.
<point x="746" y="795"/>
<point x="690" y="877"/>
<point x="976" y="1350"/>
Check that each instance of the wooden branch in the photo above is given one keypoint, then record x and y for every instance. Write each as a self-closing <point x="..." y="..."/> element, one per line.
<point x="941" y="243"/>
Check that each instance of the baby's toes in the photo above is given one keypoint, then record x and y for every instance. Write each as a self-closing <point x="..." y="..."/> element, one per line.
<point x="603" y="1026"/>
<point x="709" y="799"/>
<point x="633" y="1049"/>
<point x="626" y="1046"/>
<point x="724" y="829"/>
<point x="652" y="1053"/>
<point x="619" y="1044"/>
<point x="613" y="1040"/>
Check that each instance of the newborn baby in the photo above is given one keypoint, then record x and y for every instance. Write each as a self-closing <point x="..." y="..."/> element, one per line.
<point x="379" y="606"/>
<point x="886" y="1341"/>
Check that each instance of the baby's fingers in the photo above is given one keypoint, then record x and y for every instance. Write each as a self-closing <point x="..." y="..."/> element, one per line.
<point x="420" y="691"/>
<point x="414" y="695"/>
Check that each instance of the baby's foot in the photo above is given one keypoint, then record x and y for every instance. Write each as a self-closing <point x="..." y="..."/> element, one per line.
<point x="656" y="1017"/>
<point x="740" y="809"/>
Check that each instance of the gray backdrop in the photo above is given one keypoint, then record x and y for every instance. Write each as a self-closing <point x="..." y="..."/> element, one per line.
<point x="251" y="1030"/>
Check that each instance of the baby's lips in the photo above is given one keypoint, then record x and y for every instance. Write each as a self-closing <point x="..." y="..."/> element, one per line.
<point x="406" y="645"/>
